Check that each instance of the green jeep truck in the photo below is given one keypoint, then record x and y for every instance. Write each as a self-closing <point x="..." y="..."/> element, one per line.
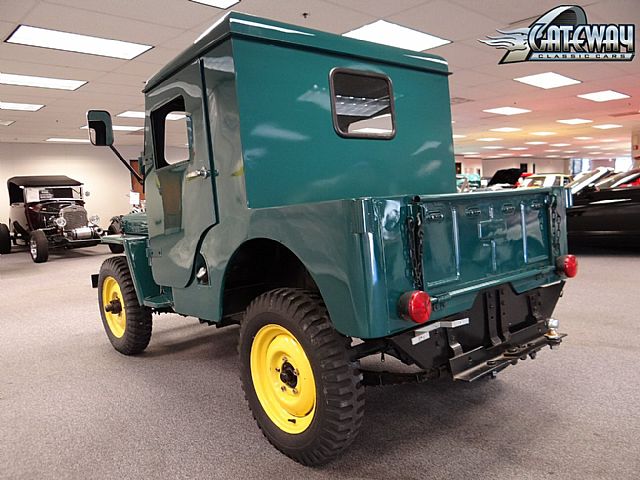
<point x="315" y="206"/>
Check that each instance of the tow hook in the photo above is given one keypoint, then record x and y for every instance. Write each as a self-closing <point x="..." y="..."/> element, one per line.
<point x="114" y="306"/>
<point x="552" y="329"/>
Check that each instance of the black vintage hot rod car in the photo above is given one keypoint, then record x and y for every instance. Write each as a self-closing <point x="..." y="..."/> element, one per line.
<point x="47" y="212"/>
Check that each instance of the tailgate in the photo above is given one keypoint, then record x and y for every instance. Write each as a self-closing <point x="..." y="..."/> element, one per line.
<point x="472" y="240"/>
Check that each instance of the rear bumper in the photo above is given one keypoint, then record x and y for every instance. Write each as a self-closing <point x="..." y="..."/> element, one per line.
<point x="500" y="329"/>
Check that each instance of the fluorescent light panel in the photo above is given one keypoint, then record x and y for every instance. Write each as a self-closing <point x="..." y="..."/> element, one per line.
<point x="459" y="136"/>
<point x="603" y="96"/>
<point x="543" y="134"/>
<point x="73" y="42"/>
<point x="388" y="33"/>
<point x="547" y="80"/>
<point x="559" y="144"/>
<point x="493" y="147"/>
<point x="40" y="82"/>
<point x="535" y="143"/>
<point x="223" y="4"/>
<point x="25" y="107"/>
<point x="138" y="114"/>
<point x="583" y="138"/>
<point x="507" y="110"/>
<point x="607" y="126"/>
<point x="120" y="128"/>
<point x="68" y="140"/>
<point x="489" y="139"/>
<point x="506" y="129"/>
<point x="574" y="121"/>
<point x="518" y="148"/>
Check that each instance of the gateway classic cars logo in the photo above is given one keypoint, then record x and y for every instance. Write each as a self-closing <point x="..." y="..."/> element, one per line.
<point x="564" y="34"/>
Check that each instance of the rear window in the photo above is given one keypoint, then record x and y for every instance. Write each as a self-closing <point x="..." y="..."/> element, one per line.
<point x="362" y="104"/>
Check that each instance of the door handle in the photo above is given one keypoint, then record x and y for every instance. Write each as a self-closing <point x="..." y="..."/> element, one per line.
<point x="201" y="172"/>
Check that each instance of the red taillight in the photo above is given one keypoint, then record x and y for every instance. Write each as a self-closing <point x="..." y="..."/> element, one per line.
<point x="567" y="265"/>
<point x="415" y="306"/>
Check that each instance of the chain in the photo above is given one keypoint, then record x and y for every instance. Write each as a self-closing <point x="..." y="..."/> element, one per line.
<point x="416" y="237"/>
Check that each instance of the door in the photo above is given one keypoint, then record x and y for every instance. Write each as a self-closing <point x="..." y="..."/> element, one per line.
<point x="180" y="186"/>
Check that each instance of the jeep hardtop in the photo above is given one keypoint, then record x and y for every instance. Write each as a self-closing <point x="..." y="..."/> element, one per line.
<point x="315" y="205"/>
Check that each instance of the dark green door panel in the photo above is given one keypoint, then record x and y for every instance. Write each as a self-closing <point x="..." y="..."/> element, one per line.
<point x="181" y="204"/>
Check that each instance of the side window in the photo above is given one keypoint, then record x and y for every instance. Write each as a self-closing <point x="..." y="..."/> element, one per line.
<point x="362" y="104"/>
<point x="172" y="133"/>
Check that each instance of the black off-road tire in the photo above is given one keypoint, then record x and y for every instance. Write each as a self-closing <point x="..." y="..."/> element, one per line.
<point x="38" y="246"/>
<point x="5" y="239"/>
<point x="137" y="332"/>
<point x="114" y="229"/>
<point x="338" y="381"/>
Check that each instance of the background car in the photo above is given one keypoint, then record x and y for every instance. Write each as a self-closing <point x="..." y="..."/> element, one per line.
<point x="608" y="211"/>
<point x="48" y="212"/>
<point x="545" y="180"/>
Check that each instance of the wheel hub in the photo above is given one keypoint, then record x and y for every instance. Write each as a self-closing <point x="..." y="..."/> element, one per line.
<point x="114" y="306"/>
<point x="288" y="375"/>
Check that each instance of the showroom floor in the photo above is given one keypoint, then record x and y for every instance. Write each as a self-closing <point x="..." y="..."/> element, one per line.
<point x="71" y="407"/>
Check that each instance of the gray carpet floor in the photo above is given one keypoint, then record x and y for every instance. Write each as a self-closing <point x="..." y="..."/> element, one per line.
<point x="72" y="407"/>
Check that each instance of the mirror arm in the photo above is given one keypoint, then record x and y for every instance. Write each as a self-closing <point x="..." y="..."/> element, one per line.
<point x="126" y="164"/>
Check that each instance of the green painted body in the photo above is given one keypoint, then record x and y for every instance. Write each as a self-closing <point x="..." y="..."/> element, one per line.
<point x="258" y="95"/>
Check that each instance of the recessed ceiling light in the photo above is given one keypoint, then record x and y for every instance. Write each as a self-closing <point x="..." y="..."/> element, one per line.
<point x="41" y="82"/>
<point x="595" y="153"/>
<point x="543" y="134"/>
<point x="583" y="138"/>
<point x="559" y="144"/>
<point x="552" y="150"/>
<point x="518" y="148"/>
<point x="571" y="151"/>
<point x="223" y="4"/>
<point x="394" y="35"/>
<point x="553" y="156"/>
<point x="138" y="114"/>
<point x="607" y="126"/>
<point x="574" y="121"/>
<point x="73" y="42"/>
<point x="459" y="136"/>
<point x="27" y="107"/>
<point x="504" y="154"/>
<point x="507" y="110"/>
<point x="493" y="147"/>
<point x="489" y="139"/>
<point x="121" y="128"/>
<point x="470" y="153"/>
<point x="506" y="129"/>
<point x="526" y="155"/>
<point x="591" y="146"/>
<point x="608" y="140"/>
<point x="535" y="143"/>
<point x="547" y="80"/>
<point x="6" y="123"/>
<point x="68" y="140"/>
<point x="603" y="96"/>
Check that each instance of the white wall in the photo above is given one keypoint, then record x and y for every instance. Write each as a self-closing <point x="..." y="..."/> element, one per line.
<point x="470" y="165"/>
<point x="104" y="176"/>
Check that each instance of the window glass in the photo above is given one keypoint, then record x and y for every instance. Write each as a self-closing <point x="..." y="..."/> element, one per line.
<point x="172" y="133"/>
<point x="362" y="104"/>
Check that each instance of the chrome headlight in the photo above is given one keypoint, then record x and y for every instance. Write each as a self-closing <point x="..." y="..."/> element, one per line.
<point x="95" y="219"/>
<point x="60" y="222"/>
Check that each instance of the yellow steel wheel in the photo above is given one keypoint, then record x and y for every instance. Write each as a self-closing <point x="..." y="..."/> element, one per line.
<point x="283" y="379"/>
<point x="114" y="311"/>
